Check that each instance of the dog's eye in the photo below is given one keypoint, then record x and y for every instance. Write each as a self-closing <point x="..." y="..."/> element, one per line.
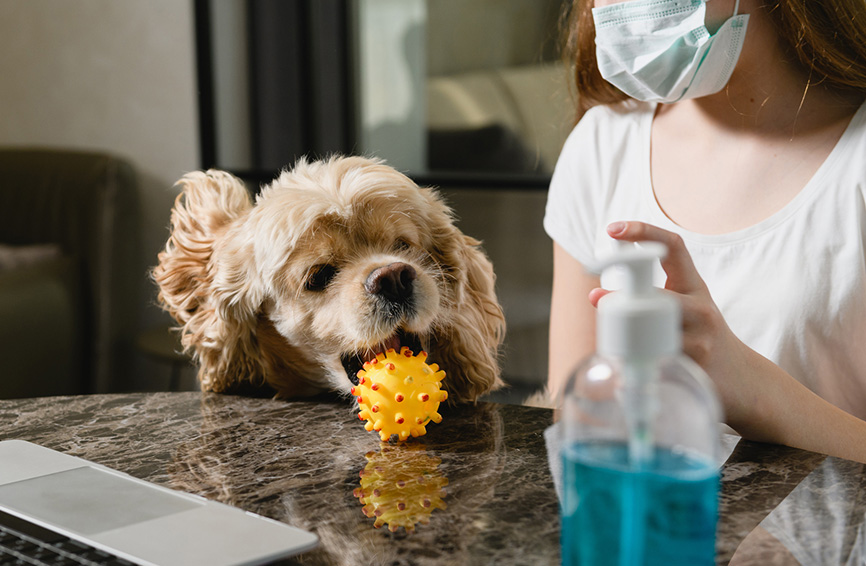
<point x="319" y="277"/>
<point x="439" y="256"/>
<point x="401" y="245"/>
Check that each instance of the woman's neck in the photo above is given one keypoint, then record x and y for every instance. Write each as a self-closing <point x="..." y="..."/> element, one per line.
<point x="770" y="93"/>
<point x="755" y="145"/>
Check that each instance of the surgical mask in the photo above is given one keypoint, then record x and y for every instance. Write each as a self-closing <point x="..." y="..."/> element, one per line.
<point x="661" y="50"/>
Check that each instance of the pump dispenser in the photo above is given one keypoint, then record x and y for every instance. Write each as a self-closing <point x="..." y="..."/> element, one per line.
<point x="640" y="439"/>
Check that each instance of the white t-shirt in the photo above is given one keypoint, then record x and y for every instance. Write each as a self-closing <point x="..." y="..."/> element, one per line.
<point x="792" y="287"/>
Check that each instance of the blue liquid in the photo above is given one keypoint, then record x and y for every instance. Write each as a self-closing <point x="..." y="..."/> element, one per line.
<point x="664" y="515"/>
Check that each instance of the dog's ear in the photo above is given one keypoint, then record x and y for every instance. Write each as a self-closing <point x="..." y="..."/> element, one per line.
<point x="471" y="360"/>
<point x="206" y="279"/>
<point x="469" y="352"/>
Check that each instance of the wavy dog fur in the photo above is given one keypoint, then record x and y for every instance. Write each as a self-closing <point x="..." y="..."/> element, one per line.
<point x="278" y="291"/>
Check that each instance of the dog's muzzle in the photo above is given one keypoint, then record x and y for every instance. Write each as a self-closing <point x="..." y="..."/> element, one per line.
<point x="392" y="288"/>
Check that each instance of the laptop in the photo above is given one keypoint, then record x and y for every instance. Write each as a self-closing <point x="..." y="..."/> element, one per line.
<point x="67" y="510"/>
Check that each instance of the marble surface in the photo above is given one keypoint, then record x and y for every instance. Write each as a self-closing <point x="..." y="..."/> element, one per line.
<point x="475" y="490"/>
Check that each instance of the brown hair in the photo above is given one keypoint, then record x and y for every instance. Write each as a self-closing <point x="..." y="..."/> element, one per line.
<point x="578" y="49"/>
<point x="828" y="37"/>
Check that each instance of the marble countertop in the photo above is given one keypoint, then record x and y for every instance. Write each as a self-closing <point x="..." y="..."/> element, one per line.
<point x="486" y="495"/>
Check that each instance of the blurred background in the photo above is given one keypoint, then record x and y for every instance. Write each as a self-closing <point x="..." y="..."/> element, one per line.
<point x="106" y="103"/>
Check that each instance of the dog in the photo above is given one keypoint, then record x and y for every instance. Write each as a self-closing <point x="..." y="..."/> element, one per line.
<point x="333" y="262"/>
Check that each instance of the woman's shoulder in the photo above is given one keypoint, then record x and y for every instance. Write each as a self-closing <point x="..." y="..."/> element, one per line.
<point x="626" y="112"/>
<point x="848" y="153"/>
<point x="604" y="125"/>
<point x="598" y="164"/>
<point x="858" y="125"/>
<point x="603" y="141"/>
<point x="608" y="132"/>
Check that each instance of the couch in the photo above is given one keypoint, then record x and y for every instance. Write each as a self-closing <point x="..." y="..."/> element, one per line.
<point x="503" y="120"/>
<point x="69" y="238"/>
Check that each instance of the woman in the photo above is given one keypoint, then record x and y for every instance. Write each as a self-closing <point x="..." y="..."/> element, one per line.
<point x="742" y="147"/>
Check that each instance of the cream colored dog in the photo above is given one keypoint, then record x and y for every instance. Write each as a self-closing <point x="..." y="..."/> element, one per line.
<point x="335" y="261"/>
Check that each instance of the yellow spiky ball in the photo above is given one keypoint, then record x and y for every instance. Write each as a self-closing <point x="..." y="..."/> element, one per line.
<point x="399" y="394"/>
<point x="401" y="485"/>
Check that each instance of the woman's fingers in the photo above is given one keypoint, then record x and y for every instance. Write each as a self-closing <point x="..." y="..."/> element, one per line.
<point x="678" y="265"/>
<point x="596" y="294"/>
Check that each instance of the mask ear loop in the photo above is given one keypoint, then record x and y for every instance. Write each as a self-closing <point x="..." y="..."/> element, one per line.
<point x="737" y="11"/>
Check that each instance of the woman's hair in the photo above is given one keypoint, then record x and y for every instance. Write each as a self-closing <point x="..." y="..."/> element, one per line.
<point x="828" y="37"/>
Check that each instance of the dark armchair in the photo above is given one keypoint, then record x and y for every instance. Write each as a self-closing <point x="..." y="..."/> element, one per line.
<point x="69" y="285"/>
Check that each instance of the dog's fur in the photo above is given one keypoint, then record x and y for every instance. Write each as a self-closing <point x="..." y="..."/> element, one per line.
<point x="335" y="261"/>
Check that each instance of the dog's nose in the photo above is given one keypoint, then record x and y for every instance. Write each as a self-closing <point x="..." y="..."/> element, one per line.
<point x="392" y="282"/>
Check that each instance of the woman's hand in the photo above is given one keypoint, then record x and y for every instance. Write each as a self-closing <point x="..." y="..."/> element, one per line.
<point x="761" y="401"/>
<point x="707" y="339"/>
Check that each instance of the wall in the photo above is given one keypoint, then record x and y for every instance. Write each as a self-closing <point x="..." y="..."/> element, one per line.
<point x="114" y="75"/>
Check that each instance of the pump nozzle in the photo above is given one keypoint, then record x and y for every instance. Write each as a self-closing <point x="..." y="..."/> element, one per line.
<point x="638" y="321"/>
<point x="639" y="262"/>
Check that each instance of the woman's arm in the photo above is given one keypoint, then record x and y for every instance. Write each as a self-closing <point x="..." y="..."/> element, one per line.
<point x="761" y="401"/>
<point x="572" y="319"/>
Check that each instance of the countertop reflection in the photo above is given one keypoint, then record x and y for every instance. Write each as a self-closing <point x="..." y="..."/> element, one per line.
<point x="476" y="489"/>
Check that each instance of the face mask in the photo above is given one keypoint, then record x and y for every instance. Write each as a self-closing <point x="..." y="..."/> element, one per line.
<point x="661" y="51"/>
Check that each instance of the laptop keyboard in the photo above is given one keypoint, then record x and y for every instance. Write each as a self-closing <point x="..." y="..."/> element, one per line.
<point x="23" y="543"/>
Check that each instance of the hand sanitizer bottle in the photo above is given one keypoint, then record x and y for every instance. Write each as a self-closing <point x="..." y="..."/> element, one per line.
<point x="640" y="437"/>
